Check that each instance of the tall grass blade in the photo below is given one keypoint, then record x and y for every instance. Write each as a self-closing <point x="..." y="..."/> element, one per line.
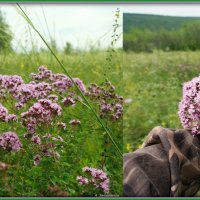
<point x="108" y="131"/>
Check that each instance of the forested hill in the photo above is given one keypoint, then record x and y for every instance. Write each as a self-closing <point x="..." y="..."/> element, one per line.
<point x="153" y="22"/>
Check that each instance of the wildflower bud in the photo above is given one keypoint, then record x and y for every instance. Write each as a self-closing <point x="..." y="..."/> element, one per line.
<point x="10" y="141"/>
<point x="61" y="125"/>
<point x="75" y="122"/>
<point x="37" y="159"/>
<point x="36" y="139"/>
<point x="3" y="166"/>
<point x="68" y="101"/>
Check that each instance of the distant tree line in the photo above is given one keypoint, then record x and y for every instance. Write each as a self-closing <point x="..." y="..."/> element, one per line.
<point x="187" y="37"/>
<point x="5" y="35"/>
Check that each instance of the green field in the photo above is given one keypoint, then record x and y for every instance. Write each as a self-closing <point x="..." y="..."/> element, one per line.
<point x="154" y="83"/>
<point x="86" y="145"/>
<point x="145" y="33"/>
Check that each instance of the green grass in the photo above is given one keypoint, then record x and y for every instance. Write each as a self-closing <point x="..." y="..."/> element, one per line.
<point x="85" y="65"/>
<point x="154" y="83"/>
<point x="83" y="146"/>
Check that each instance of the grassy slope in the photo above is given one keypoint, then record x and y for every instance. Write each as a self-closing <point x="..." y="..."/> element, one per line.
<point x="153" y="22"/>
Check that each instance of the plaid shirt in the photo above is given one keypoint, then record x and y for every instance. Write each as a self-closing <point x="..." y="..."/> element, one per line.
<point x="168" y="164"/>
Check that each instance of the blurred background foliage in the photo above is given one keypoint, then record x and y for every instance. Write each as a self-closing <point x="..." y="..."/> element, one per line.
<point x="157" y="61"/>
<point x="161" y="32"/>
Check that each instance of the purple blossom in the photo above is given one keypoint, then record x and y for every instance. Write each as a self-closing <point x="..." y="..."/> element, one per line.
<point x="53" y="98"/>
<point x="26" y="92"/>
<point x="68" y="101"/>
<point x="47" y="152"/>
<point x="42" y="90"/>
<point x="189" y="107"/>
<point x="36" y="139"/>
<point x="47" y="136"/>
<point x="11" y="83"/>
<point x="10" y="141"/>
<point x="97" y="173"/>
<point x="105" y="186"/>
<point x="75" y="122"/>
<point x="3" y="113"/>
<point x="3" y="166"/>
<point x="82" y="180"/>
<point x="19" y="105"/>
<point x="63" y="85"/>
<point x="43" y="73"/>
<point x="37" y="159"/>
<point x="58" y="138"/>
<point x="110" y="104"/>
<point x="41" y="112"/>
<point x="105" y="108"/>
<point x="95" y="177"/>
<point x="61" y="125"/>
<point x="80" y="84"/>
<point x="59" y="82"/>
<point x="86" y="169"/>
<point x="4" y="116"/>
<point x="11" y="118"/>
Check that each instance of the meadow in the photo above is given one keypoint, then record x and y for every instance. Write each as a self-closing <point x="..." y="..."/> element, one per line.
<point x="144" y="33"/>
<point x="76" y="160"/>
<point x="153" y="90"/>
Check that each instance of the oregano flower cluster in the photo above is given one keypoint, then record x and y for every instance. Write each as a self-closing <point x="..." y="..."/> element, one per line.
<point x="96" y="178"/>
<point x="110" y="104"/>
<point x="40" y="113"/>
<point x="4" y="116"/>
<point x="10" y="141"/>
<point x="38" y="117"/>
<point x="189" y="107"/>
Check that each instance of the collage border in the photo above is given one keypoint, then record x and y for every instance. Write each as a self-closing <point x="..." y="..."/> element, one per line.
<point x="99" y="2"/>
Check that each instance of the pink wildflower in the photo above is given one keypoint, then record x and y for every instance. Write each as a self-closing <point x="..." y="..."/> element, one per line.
<point x="10" y="141"/>
<point x="189" y="107"/>
<point x="41" y="112"/>
<point x="95" y="177"/>
<point x="82" y="180"/>
<point x="36" y="139"/>
<point x="37" y="159"/>
<point x="68" y="101"/>
<point x="75" y="122"/>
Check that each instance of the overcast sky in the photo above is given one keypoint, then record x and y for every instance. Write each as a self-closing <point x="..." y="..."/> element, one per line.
<point x="164" y="9"/>
<point x="81" y="24"/>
